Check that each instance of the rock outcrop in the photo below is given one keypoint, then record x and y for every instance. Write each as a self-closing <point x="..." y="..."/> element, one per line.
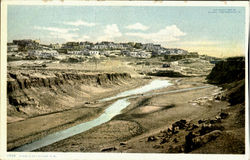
<point x="228" y="71"/>
<point x="185" y="137"/>
<point x="230" y="74"/>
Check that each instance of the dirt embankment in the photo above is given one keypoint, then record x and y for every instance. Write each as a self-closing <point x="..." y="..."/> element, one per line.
<point x="31" y="93"/>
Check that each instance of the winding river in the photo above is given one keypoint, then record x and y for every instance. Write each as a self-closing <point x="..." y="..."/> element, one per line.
<point x="113" y="110"/>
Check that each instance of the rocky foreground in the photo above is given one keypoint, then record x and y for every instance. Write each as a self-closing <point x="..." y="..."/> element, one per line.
<point x="219" y="134"/>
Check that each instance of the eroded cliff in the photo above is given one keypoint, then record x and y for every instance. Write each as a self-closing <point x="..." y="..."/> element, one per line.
<point x="31" y="93"/>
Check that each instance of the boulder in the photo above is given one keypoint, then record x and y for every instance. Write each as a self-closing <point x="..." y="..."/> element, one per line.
<point x="209" y="128"/>
<point x="164" y="141"/>
<point x="223" y="115"/>
<point x="108" y="149"/>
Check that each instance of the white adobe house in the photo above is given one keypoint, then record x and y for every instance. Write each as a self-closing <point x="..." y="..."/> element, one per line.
<point x="76" y="52"/>
<point x="160" y="52"/>
<point x="12" y="48"/>
<point x="116" y="46"/>
<point x="181" y="51"/>
<point x="140" y="54"/>
<point x="133" y="54"/>
<point x="93" y="53"/>
<point x="100" y="46"/>
<point x="143" y="54"/>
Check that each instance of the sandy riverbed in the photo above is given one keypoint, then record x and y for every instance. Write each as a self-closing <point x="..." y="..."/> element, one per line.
<point x="147" y="116"/>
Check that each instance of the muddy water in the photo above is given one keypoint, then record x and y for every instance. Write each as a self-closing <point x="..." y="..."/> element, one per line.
<point x="155" y="84"/>
<point x="108" y="114"/>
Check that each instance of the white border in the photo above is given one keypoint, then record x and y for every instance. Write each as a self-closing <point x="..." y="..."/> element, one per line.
<point x="247" y="140"/>
<point x="125" y="3"/>
<point x="107" y="156"/>
<point x="3" y="118"/>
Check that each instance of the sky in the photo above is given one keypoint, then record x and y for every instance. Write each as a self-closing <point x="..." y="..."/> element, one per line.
<point x="215" y="31"/>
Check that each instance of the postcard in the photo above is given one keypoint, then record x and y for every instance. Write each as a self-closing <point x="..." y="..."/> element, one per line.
<point x="124" y="80"/>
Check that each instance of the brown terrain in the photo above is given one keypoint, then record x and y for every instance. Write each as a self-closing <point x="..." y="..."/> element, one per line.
<point x="47" y="97"/>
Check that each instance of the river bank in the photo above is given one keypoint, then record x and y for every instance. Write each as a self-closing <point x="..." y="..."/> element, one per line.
<point x="26" y="130"/>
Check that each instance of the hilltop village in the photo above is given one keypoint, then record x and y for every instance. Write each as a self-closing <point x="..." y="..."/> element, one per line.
<point x="32" y="49"/>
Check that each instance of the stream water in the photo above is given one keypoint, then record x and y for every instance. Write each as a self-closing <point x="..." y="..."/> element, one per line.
<point x="113" y="110"/>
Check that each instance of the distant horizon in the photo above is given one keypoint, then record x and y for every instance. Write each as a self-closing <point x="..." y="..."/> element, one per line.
<point x="214" y="31"/>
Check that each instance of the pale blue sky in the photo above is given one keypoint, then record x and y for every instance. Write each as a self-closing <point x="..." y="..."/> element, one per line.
<point x="186" y="27"/>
